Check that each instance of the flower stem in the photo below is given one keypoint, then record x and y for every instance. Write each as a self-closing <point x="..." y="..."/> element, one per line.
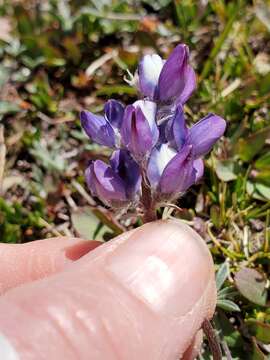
<point x="149" y="211"/>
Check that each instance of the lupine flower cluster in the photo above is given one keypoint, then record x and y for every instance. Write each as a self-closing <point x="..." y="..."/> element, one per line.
<point x="156" y="156"/>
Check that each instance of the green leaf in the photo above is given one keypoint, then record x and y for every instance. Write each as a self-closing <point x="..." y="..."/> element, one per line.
<point x="230" y="334"/>
<point x="51" y="160"/>
<point x="258" y="190"/>
<point x="4" y="75"/>
<point x="158" y="4"/>
<point x="106" y="218"/>
<point x="109" y="90"/>
<point x="259" y="329"/>
<point x="263" y="190"/>
<point x="215" y="215"/>
<point x="250" y="146"/>
<point x="219" y="41"/>
<point x="227" y="170"/>
<point x="263" y="162"/>
<point x="227" y="305"/>
<point x="222" y="275"/>
<point x="88" y="225"/>
<point x="263" y="177"/>
<point x="263" y="13"/>
<point x="7" y="107"/>
<point x="227" y="292"/>
<point x="252" y="285"/>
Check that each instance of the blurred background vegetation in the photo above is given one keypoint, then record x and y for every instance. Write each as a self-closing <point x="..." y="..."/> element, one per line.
<point x="58" y="57"/>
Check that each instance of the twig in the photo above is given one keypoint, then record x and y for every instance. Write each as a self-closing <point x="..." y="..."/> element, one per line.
<point x="229" y="89"/>
<point x="72" y="204"/>
<point x="267" y="232"/>
<point x="64" y="228"/>
<point x="219" y="43"/>
<point x="172" y="206"/>
<point x="49" y="227"/>
<point x="246" y="241"/>
<point x="2" y="157"/>
<point x="231" y="254"/>
<point x="92" y="68"/>
<point x="258" y="255"/>
<point x="83" y="193"/>
<point x="226" y="350"/>
<point x="104" y="215"/>
<point x="233" y="241"/>
<point x="115" y="16"/>
<point x="212" y="340"/>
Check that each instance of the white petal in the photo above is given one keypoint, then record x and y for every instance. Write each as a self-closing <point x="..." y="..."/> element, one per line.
<point x="149" y="109"/>
<point x="150" y="68"/>
<point x="164" y="156"/>
<point x="159" y="159"/>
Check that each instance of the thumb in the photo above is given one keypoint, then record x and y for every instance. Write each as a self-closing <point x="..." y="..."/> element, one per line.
<point x="143" y="295"/>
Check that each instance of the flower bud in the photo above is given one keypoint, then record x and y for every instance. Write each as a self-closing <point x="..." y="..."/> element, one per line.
<point x="104" y="129"/>
<point x="170" y="81"/>
<point x="98" y="128"/>
<point x="139" y="131"/>
<point x="114" y="112"/>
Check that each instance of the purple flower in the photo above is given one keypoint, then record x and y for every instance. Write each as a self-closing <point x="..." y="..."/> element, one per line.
<point x="172" y="80"/>
<point x="154" y="145"/>
<point x="139" y="130"/>
<point x="176" y="164"/>
<point x="117" y="183"/>
<point x="170" y="172"/>
<point x="104" y="129"/>
<point x="201" y="136"/>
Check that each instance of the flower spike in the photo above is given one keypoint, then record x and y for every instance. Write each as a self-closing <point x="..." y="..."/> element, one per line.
<point x="156" y="157"/>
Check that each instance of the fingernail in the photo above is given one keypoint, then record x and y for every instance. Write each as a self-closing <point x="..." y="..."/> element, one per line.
<point x="75" y="252"/>
<point x="163" y="264"/>
<point x="7" y="351"/>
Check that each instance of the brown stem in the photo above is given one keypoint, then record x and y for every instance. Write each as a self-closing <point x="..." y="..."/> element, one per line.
<point x="212" y="340"/>
<point x="149" y="211"/>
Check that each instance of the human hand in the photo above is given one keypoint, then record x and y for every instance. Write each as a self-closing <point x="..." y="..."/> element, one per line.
<point x="143" y="295"/>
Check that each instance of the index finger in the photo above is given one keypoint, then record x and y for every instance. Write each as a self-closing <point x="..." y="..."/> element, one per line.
<point x="22" y="263"/>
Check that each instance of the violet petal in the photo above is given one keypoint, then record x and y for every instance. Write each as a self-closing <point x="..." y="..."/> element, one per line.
<point x="198" y="166"/>
<point x="178" y="175"/>
<point x="114" y="112"/>
<point x="190" y="85"/>
<point x="98" y="128"/>
<point x="172" y="77"/>
<point x="177" y="130"/>
<point x="137" y="135"/>
<point x="149" y="109"/>
<point x="128" y="170"/>
<point x="105" y="183"/>
<point x="204" y="134"/>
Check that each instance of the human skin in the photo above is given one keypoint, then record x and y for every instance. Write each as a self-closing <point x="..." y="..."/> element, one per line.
<point x="143" y="295"/>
